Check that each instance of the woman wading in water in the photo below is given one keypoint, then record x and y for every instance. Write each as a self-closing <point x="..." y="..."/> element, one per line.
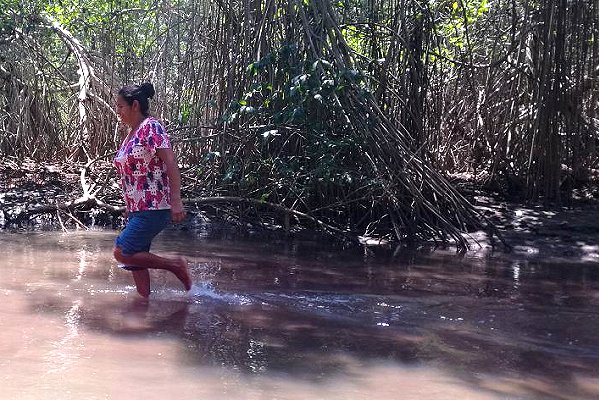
<point x="151" y="183"/>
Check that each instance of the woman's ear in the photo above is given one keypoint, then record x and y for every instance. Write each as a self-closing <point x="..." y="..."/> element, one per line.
<point x="135" y="105"/>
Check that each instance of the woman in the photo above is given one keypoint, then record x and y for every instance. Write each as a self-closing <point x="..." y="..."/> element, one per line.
<point x="151" y="184"/>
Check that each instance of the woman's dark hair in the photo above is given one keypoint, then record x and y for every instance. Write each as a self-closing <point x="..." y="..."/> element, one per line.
<point x="141" y="93"/>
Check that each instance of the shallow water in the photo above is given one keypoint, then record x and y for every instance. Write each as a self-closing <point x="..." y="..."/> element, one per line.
<point x="292" y="320"/>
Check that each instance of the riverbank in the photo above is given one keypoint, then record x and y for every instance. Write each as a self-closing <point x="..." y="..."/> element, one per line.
<point x="562" y="234"/>
<point x="558" y="234"/>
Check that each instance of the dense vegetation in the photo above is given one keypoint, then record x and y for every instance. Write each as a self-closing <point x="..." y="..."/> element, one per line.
<point x="351" y="112"/>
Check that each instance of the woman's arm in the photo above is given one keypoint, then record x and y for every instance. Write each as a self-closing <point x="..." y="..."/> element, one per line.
<point x="174" y="178"/>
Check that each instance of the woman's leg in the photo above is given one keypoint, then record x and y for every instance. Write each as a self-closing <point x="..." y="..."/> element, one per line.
<point x="177" y="266"/>
<point x="142" y="281"/>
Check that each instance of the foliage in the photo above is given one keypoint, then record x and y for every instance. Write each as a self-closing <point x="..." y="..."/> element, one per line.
<point x="303" y="143"/>
<point x="309" y="103"/>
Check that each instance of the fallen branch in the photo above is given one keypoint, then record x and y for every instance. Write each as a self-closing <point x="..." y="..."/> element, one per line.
<point x="83" y="202"/>
<point x="89" y="202"/>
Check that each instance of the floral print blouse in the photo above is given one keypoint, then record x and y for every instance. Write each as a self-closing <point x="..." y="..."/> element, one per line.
<point x="143" y="174"/>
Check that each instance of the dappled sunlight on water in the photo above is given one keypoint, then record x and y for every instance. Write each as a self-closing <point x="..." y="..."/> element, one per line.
<point x="292" y="320"/>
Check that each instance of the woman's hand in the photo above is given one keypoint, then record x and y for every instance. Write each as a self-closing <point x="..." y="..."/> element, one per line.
<point x="177" y="211"/>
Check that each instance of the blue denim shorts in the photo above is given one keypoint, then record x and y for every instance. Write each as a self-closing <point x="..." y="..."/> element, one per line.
<point x="141" y="228"/>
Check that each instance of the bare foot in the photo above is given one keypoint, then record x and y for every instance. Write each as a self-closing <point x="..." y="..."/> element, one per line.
<point x="182" y="272"/>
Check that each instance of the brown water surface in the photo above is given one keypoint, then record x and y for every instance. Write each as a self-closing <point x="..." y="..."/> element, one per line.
<point x="270" y="319"/>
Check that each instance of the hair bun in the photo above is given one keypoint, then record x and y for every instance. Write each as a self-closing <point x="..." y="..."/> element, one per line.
<point x="148" y="89"/>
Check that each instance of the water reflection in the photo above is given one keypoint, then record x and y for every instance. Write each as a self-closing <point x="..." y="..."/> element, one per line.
<point x="301" y="320"/>
<point x="65" y="352"/>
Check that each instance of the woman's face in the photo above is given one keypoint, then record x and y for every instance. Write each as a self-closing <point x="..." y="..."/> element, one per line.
<point x="128" y="114"/>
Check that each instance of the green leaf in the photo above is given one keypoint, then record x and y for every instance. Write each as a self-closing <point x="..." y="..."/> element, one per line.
<point x="293" y="91"/>
<point x="212" y="155"/>
<point x="264" y="197"/>
<point x="252" y="69"/>
<point x="247" y="110"/>
<point x="298" y="114"/>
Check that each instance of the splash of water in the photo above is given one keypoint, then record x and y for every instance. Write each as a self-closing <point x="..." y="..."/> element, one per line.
<point x="206" y="290"/>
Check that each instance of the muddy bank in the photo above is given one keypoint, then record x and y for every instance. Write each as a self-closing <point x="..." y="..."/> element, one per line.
<point x="26" y="186"/>
<point x="561" y="234"/>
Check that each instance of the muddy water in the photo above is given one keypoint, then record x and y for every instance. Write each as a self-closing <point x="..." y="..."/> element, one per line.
<point x="280" y="320"/>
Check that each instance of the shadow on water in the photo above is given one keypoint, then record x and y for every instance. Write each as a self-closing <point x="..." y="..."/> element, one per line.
<point x="507" y="327"/>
